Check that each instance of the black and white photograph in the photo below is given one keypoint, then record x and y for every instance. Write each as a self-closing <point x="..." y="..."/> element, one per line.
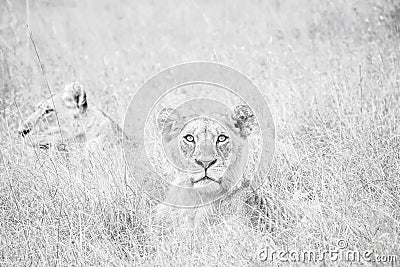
<point x="200" y="133"/>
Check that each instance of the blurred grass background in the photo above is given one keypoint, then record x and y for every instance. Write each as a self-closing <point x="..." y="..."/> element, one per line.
<point x="329" y="70"/>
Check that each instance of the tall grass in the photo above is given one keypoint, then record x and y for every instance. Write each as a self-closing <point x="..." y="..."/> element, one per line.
<point x="329" y="70"/>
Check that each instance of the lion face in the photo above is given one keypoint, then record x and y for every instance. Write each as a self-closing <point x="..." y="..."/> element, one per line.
<point x="206" y="146"/>
<point x="65" y="119"/>
<point x="62" y="107"/>
<point x="212" y="152"/>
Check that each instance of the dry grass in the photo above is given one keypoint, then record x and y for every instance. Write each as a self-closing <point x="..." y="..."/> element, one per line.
<point x="329" y="69"/>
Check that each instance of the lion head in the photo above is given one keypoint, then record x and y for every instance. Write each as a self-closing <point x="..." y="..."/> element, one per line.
<point x="69" y="104"/>
<point x="212" y="151"/>
<point x="66" y="118"/>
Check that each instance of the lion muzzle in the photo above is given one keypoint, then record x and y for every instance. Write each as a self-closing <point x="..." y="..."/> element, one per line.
<point x="25" y="128"/>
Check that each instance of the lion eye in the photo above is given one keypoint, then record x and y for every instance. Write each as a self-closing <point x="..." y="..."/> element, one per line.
<point x="189" y="138"/>
<point x="222" y="138"/>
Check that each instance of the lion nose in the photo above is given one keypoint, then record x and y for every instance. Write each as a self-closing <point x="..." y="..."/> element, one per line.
<point x="206" y="163"/>
<point x="23" y="131"/>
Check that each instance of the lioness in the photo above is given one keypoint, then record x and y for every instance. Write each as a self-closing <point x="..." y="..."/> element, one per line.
<point x="214" y="150"/>
<point x="67" y="118"/>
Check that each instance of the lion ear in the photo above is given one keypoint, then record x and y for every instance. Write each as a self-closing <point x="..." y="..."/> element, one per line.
<point x="244" y="120"/>
<point x="168" y="122"/>
<point x="75" y="96"/>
